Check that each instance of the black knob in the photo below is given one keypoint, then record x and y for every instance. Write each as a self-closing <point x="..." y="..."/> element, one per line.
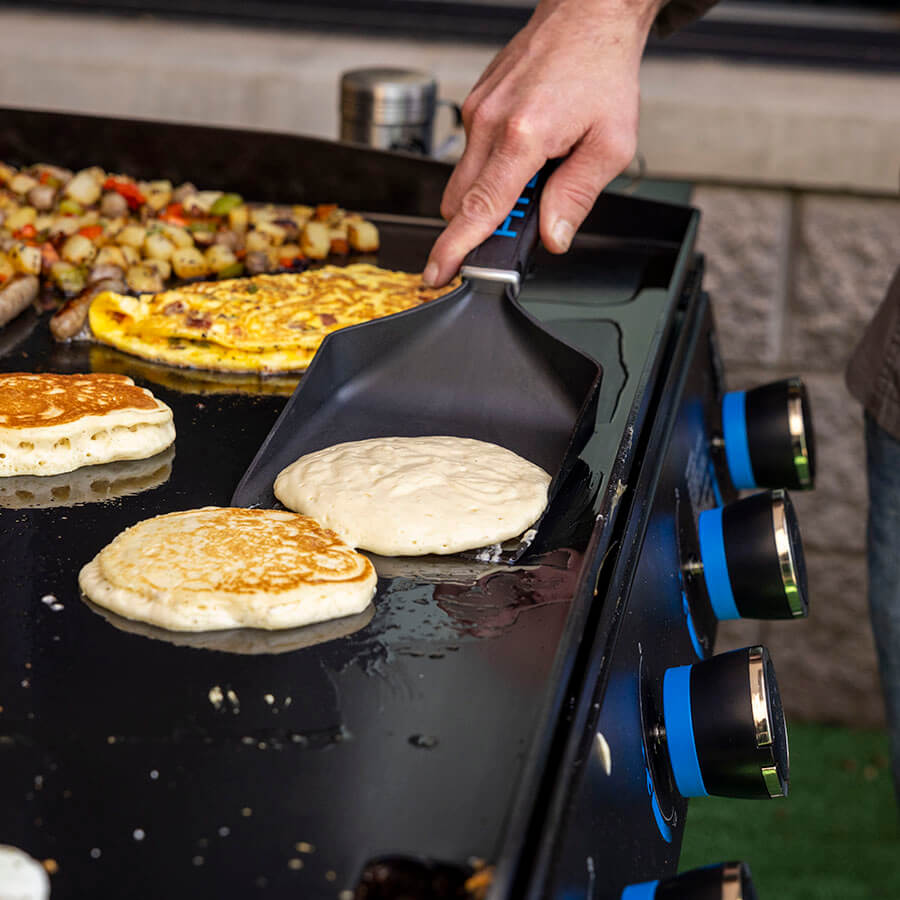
<point x="722" y="881"/>
<point x="768" y="436"/>
<point x="752" y="558"/>
<point x="724" y="726"/>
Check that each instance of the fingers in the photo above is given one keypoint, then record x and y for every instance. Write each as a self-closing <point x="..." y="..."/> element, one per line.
<point x="572" y="189"/>
<point x="482" y="207"/>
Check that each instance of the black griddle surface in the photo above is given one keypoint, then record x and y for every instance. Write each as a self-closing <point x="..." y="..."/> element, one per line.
<point x="148" y="768"/>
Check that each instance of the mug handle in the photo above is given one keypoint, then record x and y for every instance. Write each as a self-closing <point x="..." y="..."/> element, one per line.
<point x="452" y="146"/>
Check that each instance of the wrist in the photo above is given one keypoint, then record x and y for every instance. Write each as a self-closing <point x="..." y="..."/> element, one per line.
<point x="635" y="16"/>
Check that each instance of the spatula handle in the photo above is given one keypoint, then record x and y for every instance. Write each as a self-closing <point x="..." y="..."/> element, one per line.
<point x="504" y="255"/>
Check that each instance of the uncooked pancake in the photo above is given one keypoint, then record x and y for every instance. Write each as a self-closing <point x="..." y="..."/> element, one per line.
<point x="51" y="424"/>
<point x="214" y="568"/>
<point x="411" y="496"/>
<point x="268" y="323"/>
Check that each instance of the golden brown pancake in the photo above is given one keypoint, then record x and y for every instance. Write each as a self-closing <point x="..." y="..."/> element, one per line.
<point x="30" y="400"/>
<point x="50" y="424"/>
<point x="216" y="568"/>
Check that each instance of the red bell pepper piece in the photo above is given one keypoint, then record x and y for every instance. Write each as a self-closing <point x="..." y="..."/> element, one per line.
<point x="92" y="232"/>
<point x="128" y="189"/>
<point x="174" y="214"/>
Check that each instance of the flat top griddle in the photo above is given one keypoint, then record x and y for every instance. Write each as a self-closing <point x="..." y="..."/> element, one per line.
<point x="147" y="768"/>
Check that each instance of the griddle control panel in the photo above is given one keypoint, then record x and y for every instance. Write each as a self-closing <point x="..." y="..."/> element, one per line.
<point x="722" y="881"/>
<point x="745" y="559"/>
<point x="767" y="437"/>
<point x="722" y="729"/>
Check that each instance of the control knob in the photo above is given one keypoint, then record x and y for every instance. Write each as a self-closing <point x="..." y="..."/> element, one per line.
<point x="768" y="436"/>
<point x="751" y="559"/>
<point x="722" y="881"/>
<point x="724" y="726"/>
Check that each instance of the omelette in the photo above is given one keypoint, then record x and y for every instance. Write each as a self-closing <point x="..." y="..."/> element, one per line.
<point x="266" y="324"/>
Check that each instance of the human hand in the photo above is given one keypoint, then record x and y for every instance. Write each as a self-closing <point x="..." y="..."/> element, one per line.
<point x="565" y="86"/>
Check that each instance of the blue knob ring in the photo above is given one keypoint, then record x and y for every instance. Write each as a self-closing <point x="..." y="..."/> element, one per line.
<point x="737" y="446"/>
<point x="645" y="890"/>
<point x="715" y="565"/>
<point x="680" y="732"/>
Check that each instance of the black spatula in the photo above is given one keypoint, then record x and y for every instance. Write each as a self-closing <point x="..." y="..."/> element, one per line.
<point x="472" y="364"/>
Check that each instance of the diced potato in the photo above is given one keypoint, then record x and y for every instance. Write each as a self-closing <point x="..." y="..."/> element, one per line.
<point x="158" y="194"/>
<point x="264" y="213"/>
<point x="6" y="172"/>
<point x="130" y="254"/>
<point x="201" y="202"/>
<point x="85" y="186"/>
<point x="329" y="213"/>
<point x="179" y="236"/>
<point x="257" y="240"/>
<point x="132" y="235"/>
<point x="302" y="214"/>
<point x="7" y="269"/>
<point x="188" y="262"/>
<point x="275" y="233"/>
<point x="363" y="236"/>
<point x="112" y="228"/>
<point x="111" y="256"/>
<point x="44" y="221"/>
<point x="315" y="241"/>
<point x="239" y="217"/>
<point x="219" y="257"/>
<point x="158" y="246"/>
<point x="21" y="183"/>
<point x="289" y="251"/>
<point x="91" y="217"/>
<point x="25" y="259"/>
<point x="78" y="250"/>
<point x="163" y="266"/>
<point x="65" y="225"/>
<point x="68" y="278"/>
<point x="144" y="279"/>
<point x="24" y="215"/>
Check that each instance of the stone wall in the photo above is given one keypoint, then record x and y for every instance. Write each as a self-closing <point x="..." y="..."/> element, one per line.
<point x="795" y="277"/>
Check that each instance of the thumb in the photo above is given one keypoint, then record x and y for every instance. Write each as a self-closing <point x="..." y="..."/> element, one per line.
<point x="572" y="189"/>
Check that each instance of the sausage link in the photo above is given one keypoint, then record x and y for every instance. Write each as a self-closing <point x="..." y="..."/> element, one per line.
<point x="17" y="296"/>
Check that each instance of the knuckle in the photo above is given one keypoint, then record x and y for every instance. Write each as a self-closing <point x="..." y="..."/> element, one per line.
<point x="518" y="133"/>
<point x="478" y="116"/>
<point x="579" y="194"/>
<point x="478" y="205"/>
<point x="621" y="147"/>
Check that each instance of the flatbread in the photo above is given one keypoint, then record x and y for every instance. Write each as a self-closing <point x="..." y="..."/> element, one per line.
<point x="50" y="424"/>
<point x="215" y="568"/>
<point x="267" y="323"/>
<point x="412" y="496"/>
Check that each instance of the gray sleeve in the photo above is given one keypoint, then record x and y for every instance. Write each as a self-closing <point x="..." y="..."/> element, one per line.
<point x="677" y="13"/>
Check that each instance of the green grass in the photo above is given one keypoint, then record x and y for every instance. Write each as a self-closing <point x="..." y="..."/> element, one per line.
<point x="835" y="837"/>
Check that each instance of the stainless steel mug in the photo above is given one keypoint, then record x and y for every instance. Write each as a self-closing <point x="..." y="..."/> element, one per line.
<point x="392" y="109"/>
